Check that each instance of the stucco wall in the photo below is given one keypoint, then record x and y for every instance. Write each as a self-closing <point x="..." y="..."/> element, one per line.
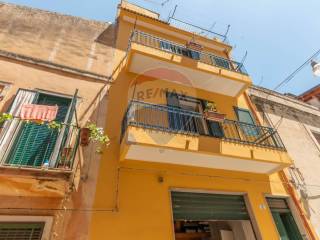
<point x="60" y="42"/>
<point x="61" y="39"/>
<point x="294" y="121"/>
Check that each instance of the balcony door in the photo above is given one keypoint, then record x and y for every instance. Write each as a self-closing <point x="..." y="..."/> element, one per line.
<point x="185" y="114"/>
<point x="190" y="117"/>
<point x="35" y="142"/>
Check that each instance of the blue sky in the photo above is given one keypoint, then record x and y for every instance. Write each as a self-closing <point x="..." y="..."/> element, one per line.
<point x="279" y="35"/>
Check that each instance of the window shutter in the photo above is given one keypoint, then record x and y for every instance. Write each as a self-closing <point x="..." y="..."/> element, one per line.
<point x="205" y="207"/>
<point x="35" y="143"/>
<point x="21" y="231"/>
<point x="278" y="205"/>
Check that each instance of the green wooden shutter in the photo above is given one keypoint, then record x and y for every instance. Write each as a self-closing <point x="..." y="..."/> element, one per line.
<point x="280" y="226"/>
<point x="286" y="225"/>
<point x="36" y="142"/>
<point x="205" y="207"/>
<point x="21" y="231"/>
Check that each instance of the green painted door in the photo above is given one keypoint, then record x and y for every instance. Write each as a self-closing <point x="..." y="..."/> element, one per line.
<point x="280" y="226"/>
<point x="282" y="216"/>
<point x="35" y="142"/>
<point x="206" y="207"/>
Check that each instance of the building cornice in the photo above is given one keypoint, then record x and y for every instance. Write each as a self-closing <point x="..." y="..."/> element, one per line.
<point x="268" y="95"/>
<point x="54" y="66"/>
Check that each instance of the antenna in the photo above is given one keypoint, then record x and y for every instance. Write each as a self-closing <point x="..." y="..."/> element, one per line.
<point x="174" y="11"/>
<point x="261" y="81"/>
<point x="242" y="60"/>
<point x="225" y="35"/>
<point x="244" y="57"/>
<point x="210" y="29"/>
<point x="165" y="2"/>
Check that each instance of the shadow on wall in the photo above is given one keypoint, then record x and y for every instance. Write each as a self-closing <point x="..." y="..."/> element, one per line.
<point x="107" y="36"/>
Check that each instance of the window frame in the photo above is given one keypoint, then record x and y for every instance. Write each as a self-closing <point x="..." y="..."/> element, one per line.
<point x="47" y="220"/>
<point x="236" y="109"/>
<point x="293" y="209"/>
<point x="311" y="130"/>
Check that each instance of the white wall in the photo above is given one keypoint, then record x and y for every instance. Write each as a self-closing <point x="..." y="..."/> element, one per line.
<point x="295" y="125"/>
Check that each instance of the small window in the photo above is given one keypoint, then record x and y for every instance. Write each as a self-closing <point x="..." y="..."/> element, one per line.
<point x="21" y="230"/>
<point x="316" y="136"/>
<point x="244" y="115"/>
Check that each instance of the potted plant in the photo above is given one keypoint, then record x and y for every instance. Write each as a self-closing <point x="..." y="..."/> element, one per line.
<point x="194" y="46"/>
<point x="84" y="136"/>
<point x="210" y="113"/>
<point x="92" y="133"/>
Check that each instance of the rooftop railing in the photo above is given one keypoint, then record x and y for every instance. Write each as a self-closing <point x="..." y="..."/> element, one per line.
<point x="179" y="49"/>
<point x="175" y="120"/>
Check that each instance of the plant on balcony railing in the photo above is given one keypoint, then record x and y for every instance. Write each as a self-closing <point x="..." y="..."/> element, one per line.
<point x="52" y="124"/>
<point x="5" y="116"/>
<point x="211" y="113"/>
<point x="92" y="133"/>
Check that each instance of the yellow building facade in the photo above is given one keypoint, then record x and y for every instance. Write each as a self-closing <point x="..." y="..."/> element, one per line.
<point x="188" y="157"/>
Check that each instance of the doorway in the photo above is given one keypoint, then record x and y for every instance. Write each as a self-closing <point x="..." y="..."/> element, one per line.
<point x="205" y="216"/>
<point x="284" y="220"/>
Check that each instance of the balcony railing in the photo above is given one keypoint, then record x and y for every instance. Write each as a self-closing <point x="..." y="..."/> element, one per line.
<point x="175" y="120"/>
<point x="168" y="46"/>
<point x="34" y="145"/>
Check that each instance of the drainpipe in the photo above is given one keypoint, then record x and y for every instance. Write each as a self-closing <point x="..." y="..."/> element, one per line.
<point x="286" y="181"/>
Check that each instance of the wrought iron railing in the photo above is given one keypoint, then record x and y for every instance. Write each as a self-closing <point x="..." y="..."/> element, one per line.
<point x="43" y="147"/>
<point x="172" y="119"/>
<point x="172" y="47"/>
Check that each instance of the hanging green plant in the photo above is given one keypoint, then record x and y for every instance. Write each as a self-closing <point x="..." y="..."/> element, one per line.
<point x="97" y="135"/>
<point x="5" y="116"/>
<point x="54" y="125"/>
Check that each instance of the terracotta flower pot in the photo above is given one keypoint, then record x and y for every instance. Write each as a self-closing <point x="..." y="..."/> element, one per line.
<point x="84" y="136"/>
<point x="66" y="153"/>
<point x="214" y="116"/>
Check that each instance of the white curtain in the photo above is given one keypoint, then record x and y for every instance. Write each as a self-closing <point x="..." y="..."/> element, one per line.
<point x="11" y="128"/>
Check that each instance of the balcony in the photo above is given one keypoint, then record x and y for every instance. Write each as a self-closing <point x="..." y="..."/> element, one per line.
<point x="164" y="134"/>
<point x="37" y="160"/>
<point x="200" y="69"/>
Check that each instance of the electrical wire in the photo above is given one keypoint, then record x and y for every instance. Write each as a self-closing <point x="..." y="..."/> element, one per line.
<point x="294" y="73"/>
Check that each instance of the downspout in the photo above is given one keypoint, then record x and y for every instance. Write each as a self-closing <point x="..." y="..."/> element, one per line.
<point x="289" y="188"/>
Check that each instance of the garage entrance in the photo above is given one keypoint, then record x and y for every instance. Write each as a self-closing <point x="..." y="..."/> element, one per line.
<point x="204" y="216"/>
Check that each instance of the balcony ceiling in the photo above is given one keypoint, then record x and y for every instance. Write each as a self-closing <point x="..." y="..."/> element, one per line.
<point x="197" y="159"/>
<point x="142" y="64"/>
